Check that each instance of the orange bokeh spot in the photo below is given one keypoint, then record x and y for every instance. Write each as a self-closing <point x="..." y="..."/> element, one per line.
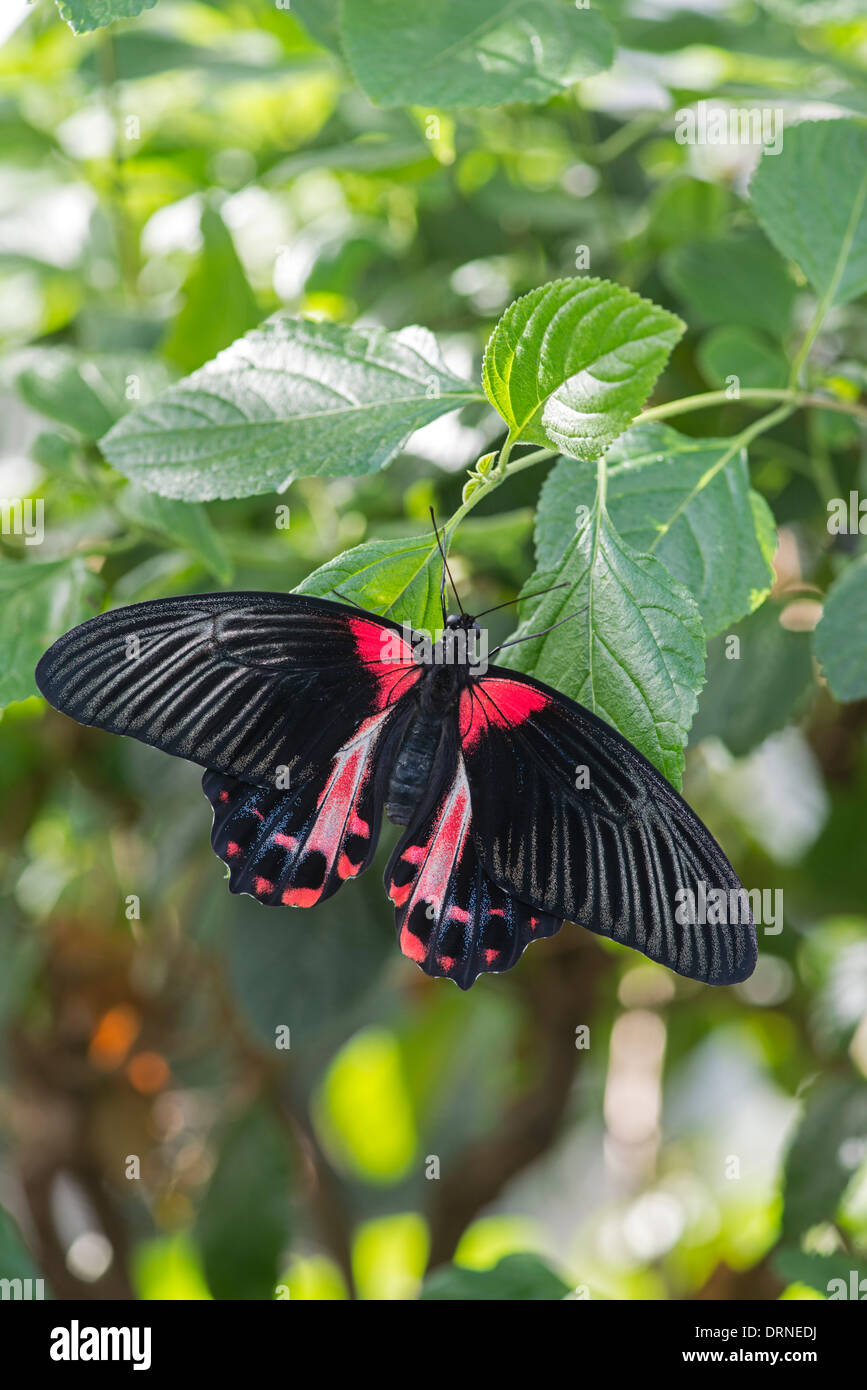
<point x="148" y="1072"/>
<point x="113" y="1036"/>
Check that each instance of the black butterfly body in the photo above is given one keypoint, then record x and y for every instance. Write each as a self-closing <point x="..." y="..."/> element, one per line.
<point x="313" y="719"/>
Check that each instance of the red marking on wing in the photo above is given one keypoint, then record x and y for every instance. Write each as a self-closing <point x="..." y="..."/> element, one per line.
<point x="388" y="658"/>
<point x="263" y="886"/>
<point x="285" y="841"/>
<point x="301" y="897"/>
<point x="233" y="848"/>
<point x="498" y="702"/>
<point x="435" y="862"/>
<point x="411" y="946"/>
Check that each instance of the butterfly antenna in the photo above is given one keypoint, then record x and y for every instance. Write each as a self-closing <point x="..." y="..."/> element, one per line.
<point x="446" y="571"/>
<point x="530" y="635"/>
<point x="347" y="599"/>
<point x="520" y="598"/>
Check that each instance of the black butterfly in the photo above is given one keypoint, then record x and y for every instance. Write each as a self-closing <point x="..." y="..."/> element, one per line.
<point x="312" y="717"/>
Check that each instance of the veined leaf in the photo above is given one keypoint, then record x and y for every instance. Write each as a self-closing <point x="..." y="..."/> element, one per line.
<point x="571" y="364"/>
<point x="84" y="15"/>
<point x="840" y="639"/>
<point x="811" y="199"/>
<point x="688" y="501"/>
<point x="472" y="52"/>
<point x="398" y="579"/>
<point x="735" y="279"/>
<point x="634" y="651"/>
<point x="291" y="399"/>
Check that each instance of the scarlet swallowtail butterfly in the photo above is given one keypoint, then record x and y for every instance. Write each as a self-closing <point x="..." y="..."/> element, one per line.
<point x="312" y="718"/>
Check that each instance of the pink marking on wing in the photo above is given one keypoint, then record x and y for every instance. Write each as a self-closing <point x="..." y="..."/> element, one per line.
<point x="414" y="854"/>
<point x="357" y="826"/>
<point x="285" y="841"/>
<point x="496" y="912"/>
<point x="491" y="956"/>
<point x="257" y="814"/>
<point x="534" y="922"/>
<point x="387" y="656"/>
<point x="498" y="702"/>
<point x="399" y="893"/>
<point x="412" y="946"/>
<point x="224" y="796"/>
<point x="233" y="848"/>
<point x="446" y="843"/>
<point x="459" y="914"/>
<point x="263" y="886"/>
<point x="301" y="897"/>
<point x="346" y="868"/>
<point x="447" y="962"/>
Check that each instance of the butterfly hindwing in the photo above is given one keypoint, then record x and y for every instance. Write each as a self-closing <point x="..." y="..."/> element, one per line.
<point x="246" y="683"/>
<point x="569" y="816"/>
<point x="296" y="846"/>
<point x="451" y="918"/>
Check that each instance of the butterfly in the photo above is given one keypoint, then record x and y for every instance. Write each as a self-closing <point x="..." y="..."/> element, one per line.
<point x="314" y="718"/>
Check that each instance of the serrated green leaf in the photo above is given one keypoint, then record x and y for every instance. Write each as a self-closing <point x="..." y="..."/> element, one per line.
<point x="840" y="639"/>
<point x="736" y="279"/>
<point x="634" y="652"/>
<point x="219" y="305"/>
<point x="88" y="392"/>
<point x="397" y="579"/>
<point x="82" y="16"/>
<point x="184" y="523"/>
<point x="520" y="1276"/>
<point x="811" y="199"/>
<point x="472" y="52"/>
<point x="291" y="399"/>
<point x="744" y="353"/>
<point x="241" y="1239"/>
<point x="757" y="687"/>
<point x="823" y="1154"/>
<point x="39" y="602"/>
<point x="571" y="363"/>
<point x="685" y="500"/>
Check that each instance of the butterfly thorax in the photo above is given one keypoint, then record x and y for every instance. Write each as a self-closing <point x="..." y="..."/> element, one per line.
<point x="449" y="671"/>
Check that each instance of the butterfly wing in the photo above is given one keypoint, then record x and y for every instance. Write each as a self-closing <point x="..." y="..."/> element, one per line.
<point x="568" y="816"/>
<point x="452" y="919"/>
<point x="255" y="685"/>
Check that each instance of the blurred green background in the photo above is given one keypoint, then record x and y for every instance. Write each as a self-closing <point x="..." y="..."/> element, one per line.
<point x="164" y="185"/>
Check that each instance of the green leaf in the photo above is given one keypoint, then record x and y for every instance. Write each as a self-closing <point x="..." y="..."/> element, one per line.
<point x="824" y="1154"/>
<point x="243" y="1223"/>
<point x="39" y="602"/>
<point x="398" y="579"/>
<point x="88" y="392"/>
<point x="753" y="694"/>
<point x="219" y="305"/>
<point x="320" y="19"/>
<point x="521" y="1276"/>
<point x="685" y="500"/>
<point x="289" y="400"/>
<point x="736" y="279"/>
<point x="811" y="199"/>
<point x="84" y="15"/>
<point x="833" y="1275"/>
<point x="744" y="353"/>
<point x="634" y="651"/>
<point x="184" y="523"/>
<point x="472" y="52"/>
<point x="571" y="363"/>
<point x="840" y="639"/>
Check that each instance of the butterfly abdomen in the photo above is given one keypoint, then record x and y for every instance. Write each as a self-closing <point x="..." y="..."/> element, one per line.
<point x="412" y="766"/>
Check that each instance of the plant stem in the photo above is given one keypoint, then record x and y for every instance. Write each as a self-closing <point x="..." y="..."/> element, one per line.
<point x="752" y="393"/>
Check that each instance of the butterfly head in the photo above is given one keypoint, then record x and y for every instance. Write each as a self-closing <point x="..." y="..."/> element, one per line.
<point x="461" y="622"/>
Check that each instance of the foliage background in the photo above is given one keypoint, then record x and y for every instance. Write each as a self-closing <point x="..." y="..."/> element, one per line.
<point x="260" y="177"/>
